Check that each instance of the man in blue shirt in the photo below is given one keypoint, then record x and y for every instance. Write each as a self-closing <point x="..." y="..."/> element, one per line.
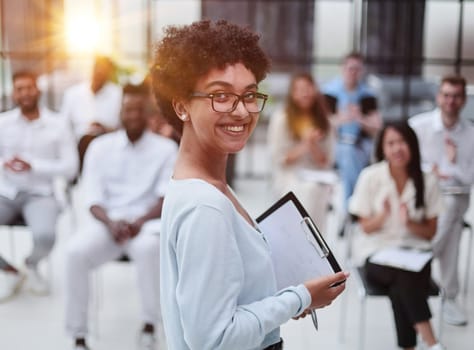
<point x="355" y="118"/>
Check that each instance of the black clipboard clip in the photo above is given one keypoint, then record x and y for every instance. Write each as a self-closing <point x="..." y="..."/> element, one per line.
<point x="319" y="244"/>
<point x="314" y="237"/>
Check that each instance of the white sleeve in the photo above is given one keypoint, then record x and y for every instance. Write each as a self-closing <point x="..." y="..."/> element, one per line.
<point x="67" y="162"/>
<point x="433" y="198"/>
<point x="278" y="138"/>
<point x="92" y="175"/>
<point x="463" y="169"/>
<point x="360" y="201"/>
<point x="210" y="278"/>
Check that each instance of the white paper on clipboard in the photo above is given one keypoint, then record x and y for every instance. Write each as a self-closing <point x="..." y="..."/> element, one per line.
<point x="299" y="252"/>
<point x="402" y="258"/>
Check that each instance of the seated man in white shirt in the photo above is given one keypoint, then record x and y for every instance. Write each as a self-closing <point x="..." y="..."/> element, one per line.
<point x="125" y="177"/>
<point x="35" y="147"/>
<point x="447" y="149"/>
<point x="93" y="107"/>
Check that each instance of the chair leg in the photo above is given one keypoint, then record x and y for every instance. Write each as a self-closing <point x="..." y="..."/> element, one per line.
<point x="49" y="267"/>
<point x="11" y="232"/>
<point x="468" y="263"/>
<point x="440" y="322"/>
<point x="362" y="323"/>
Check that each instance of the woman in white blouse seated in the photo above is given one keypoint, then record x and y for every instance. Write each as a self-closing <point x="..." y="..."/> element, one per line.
<point x="397" y="206"/>
<point x="301" y="143"/>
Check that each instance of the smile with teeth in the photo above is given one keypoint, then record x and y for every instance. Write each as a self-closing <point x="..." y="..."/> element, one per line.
<point x="234" y="128"/>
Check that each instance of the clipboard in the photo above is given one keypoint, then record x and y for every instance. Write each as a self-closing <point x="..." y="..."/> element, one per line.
<point x="409" y="259"/>
<point x="299" y="251"/>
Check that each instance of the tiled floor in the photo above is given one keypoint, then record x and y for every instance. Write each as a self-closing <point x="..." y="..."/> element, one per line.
<point x="30" y="323"/>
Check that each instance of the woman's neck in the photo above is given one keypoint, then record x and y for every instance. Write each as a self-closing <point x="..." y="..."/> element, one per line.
<point x="193" y="162"/>
<point x="400" y="176"/>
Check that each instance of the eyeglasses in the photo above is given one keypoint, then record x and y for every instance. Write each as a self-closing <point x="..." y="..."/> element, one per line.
<point x="226" y="102"/>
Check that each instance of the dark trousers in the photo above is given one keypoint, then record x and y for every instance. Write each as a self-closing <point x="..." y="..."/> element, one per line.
<point x="408" y="292"/>
<point x="276" y="346"/>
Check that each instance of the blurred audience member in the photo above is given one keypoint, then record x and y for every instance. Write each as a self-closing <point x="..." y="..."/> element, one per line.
<point x="93" y="107"/>
<point x="447" y="149"/>
<point x="397" y="206"/>
<point x="125" y="177"/>
<point x="301" y="143"/>
<point x="159" y="125"/>
<point x="356" y="120"/>
<point x="36" y="146"/>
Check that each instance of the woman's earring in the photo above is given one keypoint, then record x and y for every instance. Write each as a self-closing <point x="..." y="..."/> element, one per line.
<point x="183" y="117"/>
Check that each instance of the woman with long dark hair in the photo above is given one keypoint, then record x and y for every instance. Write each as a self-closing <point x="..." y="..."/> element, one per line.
<point x="301" y="143"/>
<point x="397" y="205"/>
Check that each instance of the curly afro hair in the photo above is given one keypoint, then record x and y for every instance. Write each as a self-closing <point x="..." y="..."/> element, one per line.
<point x="187" y="53"/>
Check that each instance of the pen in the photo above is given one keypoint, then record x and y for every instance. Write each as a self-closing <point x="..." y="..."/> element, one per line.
<point x="314" y="317"/>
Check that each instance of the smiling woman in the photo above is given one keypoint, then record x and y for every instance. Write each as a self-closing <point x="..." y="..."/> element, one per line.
<point x="218" y="288"/>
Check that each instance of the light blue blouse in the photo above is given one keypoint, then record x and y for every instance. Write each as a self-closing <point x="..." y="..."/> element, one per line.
<point x="218" y="288"/>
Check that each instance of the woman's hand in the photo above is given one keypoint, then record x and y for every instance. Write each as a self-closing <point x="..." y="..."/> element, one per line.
<point x="314" y="136"/>
<point x="323" y="291"/>
<point x="303" y="315"/>
<point x="403" y="214"/>
<point x="386" y="206"/>
<point x="303" y="147"/>
<point x="374" y="223"/>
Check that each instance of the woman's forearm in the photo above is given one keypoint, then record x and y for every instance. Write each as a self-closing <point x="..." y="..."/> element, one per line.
<point x="425" y="229"/>
<point x="295" y="153"/>
<point x="372" y="224"/>
<point x="319" y="155"/>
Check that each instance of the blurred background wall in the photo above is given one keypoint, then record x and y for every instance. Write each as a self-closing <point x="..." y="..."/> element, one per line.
<point x="409" y="44"/>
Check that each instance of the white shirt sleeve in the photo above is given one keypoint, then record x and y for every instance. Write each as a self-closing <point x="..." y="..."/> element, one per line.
<point x="213" y="276"/>
<point x="91" y="175"/>
<point x="67" y="162"/>
<point x="433" y="198"/>
<point x="360" y="201"/>
<point x="462" y="170"/>
<point x="279" y="141"/>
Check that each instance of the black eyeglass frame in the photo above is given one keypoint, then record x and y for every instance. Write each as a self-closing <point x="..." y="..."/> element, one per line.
<point x="242" y="97"/>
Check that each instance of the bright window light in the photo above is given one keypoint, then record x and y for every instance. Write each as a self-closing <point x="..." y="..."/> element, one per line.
<point x="83" y="34"/>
